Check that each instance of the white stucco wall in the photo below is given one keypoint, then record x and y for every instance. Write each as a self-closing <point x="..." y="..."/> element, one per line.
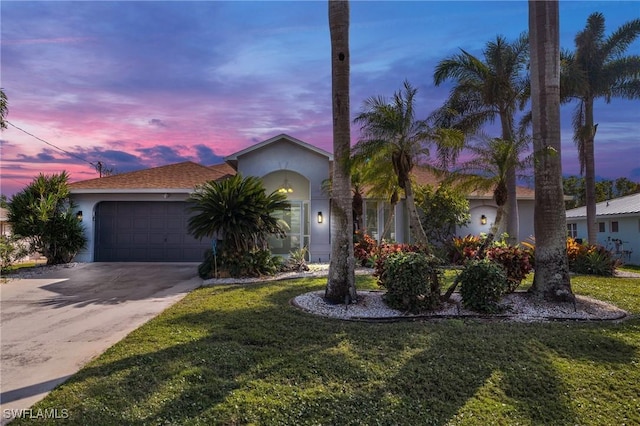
<point x="479" y="207"/>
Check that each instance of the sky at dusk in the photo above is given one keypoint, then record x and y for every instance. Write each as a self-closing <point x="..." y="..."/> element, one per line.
<point x="143" y="84"/>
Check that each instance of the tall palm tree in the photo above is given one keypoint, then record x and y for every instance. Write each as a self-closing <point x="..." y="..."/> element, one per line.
<point x="341" y="280"/>
<point x="496" y="87"/>
<point x="551" y="279"/>
<point x="390" y="133"/>
<point x="598" y="69"/>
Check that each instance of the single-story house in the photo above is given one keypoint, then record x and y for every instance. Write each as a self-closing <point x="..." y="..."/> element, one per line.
<point x="5" y="226"/>
<point x="143" y="215"/>
<point x="618" y="223"/>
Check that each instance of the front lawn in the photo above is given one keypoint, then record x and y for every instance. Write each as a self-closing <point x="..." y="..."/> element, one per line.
<point x="242" y="355"/>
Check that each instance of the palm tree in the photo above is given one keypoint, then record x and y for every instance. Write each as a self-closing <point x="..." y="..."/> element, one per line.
<point x="551" y="279"/>
<point x="484" y="90"/>
<point x="237" y="210"/>
<point x="4" y="110"/>
<point x="598" y="69"/>
<point x="488" y="170"/>
<point x="341" y="280"/>
<point x="391" y="134"/>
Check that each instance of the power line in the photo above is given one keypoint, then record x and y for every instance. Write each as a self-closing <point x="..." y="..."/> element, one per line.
<point x="52" y="145"/>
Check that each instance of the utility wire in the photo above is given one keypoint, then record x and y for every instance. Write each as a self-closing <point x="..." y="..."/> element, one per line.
<point x="52" y="145"/>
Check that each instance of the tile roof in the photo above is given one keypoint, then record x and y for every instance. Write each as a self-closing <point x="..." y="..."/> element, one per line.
<point x="184" y="175"/>
<point x="629" y="204"/>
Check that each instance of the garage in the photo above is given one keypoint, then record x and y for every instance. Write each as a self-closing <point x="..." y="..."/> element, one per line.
<point x="145" y="231"/>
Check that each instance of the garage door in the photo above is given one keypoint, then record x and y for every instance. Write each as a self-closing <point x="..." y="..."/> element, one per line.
<point x="144" y="231"/>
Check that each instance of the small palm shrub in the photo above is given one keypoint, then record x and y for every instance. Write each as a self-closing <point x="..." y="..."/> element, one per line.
<point x="590" y="259"/>
<point x="296" y="262"/>
<point x="515" y="261"/>
<point x="482" y="284"/>
<point x="253" y="263"/>
<point x="412" y="281"/>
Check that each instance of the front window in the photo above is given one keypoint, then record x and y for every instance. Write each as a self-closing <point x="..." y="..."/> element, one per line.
<point x="572" y="230"/>
<point x="614" y="226"/>
<point x="371" y="219"/>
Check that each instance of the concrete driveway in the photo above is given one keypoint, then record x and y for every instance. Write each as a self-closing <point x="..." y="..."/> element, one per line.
<point x="53" y="324"/>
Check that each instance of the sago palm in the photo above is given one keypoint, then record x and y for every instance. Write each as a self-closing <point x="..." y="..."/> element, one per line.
<point x="238" y="211"/>
<point x="597" y="69"/>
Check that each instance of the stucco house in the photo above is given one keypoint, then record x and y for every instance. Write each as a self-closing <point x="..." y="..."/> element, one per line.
<point x="618" y="223"/>
<point x="142" y="215"/>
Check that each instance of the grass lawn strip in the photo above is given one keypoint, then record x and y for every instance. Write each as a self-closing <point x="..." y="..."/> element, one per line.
<point x="241" y="355"/>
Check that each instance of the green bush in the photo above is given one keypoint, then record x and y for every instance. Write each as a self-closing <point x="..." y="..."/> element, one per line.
<point x="236" y="264"/>
<point x="482" y="284"/>
<point x="595" y="260"/>
<point x="11" y="249"/>
<point x="412" y="281"/>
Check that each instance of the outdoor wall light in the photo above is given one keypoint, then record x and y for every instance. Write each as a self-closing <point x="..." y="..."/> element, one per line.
<point x="483" y="220"/>
<point x="79" y="215"/>
<point x="320" y="218"/>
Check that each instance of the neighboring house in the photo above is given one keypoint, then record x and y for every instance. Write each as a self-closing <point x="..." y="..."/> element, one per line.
<point x="5" y="227"/>
<point x="142" y="215"/>
<point x="618" y="223"/>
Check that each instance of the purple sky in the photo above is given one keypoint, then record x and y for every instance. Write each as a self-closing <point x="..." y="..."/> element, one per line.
<point x="142" y="84"/>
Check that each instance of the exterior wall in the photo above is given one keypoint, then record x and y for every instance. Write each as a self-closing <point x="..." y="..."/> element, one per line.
<point x="86" y="203"/>
<point x="305" y="170"/>
<point x="625" y="244"/>
<point x="480" y="207"/>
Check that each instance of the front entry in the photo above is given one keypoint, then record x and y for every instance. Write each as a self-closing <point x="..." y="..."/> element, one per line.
<point x="297" y="219"/>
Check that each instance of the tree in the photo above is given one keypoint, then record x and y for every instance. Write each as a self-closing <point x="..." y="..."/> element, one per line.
<point x="551" y="280"/>
<point x="341" y="287"/>
<point x="489" y="170"/>
<point x="598" y="69"/>
<point x="443" y="210"/>
<point x="484" y="90"/>
<point x="390" y="133"/>
<point x="43" y="214"/>
<point x="238" y="211"/>
<point x="4" y="109"/>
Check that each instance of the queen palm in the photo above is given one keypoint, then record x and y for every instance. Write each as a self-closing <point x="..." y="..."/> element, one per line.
<point x="551" y="280"/>
<point x="3" y="109"/>
<point x="483" y="91"/>
<point x="598" y="69"/>
<point x="488" y="170"/>
<point x="341" y="280"/>
<point x="391" y="134"/>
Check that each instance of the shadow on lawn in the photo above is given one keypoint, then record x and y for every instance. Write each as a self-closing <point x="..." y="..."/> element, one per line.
<point x="244" y="356"/>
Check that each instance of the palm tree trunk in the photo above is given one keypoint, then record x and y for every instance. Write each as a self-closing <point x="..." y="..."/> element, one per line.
<point x="415" y="226"/>
<point x="341" y="280"/>
<point x="511" y="210"/>
<point x="590" y="172"/>
<point x="389" y="221"/>
<point x="551" y="280"/>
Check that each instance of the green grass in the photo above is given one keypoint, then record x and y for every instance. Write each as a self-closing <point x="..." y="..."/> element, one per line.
<point x="242" y="355"/>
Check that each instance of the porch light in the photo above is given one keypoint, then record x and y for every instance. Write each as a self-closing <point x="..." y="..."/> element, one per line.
<point x="483" y="220"/>
<point x="320" y="219"/>
<point x="79" y="215"/>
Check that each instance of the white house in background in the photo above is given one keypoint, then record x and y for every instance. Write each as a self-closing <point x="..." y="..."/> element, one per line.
<point x="142" y="216"/>
<point x="618" y="223"/>
<point x="5" y="226"/>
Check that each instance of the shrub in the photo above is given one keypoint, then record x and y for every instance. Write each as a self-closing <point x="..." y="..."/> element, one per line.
<point x="482" y="284"/>
<point x="595" y="260"/>
<point x="463" y="249"/>
<point x="11" y="249"/>
<point x="412" y="281"/>
<point x="384" y="250"/>
<point x="515" y="261"/>
<point x="364" y="249"/>
<point x="254" y="263"/>
<point x="296" y="262"/>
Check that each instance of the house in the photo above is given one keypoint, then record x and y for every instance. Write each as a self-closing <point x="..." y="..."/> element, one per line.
<point x="143" y="215"/>
<point x="618" y="223"/>
<point x="5" y="226"/>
